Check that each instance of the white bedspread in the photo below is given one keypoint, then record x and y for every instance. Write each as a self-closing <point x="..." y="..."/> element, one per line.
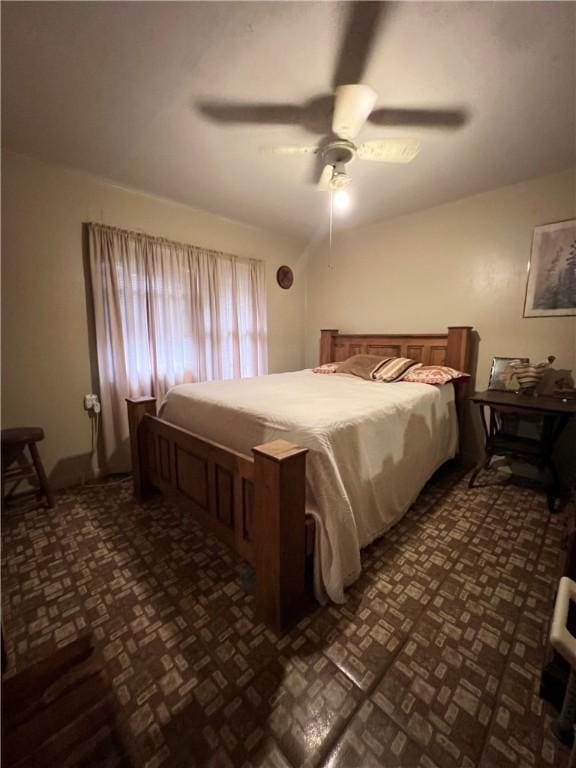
<point x="372" y="447"/>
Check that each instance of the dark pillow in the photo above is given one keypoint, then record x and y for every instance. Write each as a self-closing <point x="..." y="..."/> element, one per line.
<point x="362" y="365"/>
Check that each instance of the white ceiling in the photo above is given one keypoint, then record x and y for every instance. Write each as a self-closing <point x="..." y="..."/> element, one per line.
<point x="114" y="88"/>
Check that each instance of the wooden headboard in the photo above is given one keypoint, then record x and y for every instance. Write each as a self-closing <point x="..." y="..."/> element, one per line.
<point x="452" y="348"/>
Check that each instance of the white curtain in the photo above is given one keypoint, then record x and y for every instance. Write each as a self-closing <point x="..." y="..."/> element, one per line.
<point x="167" y="313"/>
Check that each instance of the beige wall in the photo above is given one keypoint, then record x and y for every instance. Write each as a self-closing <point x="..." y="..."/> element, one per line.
<point x="45" y="349"/>
<point x="458" y="264"/>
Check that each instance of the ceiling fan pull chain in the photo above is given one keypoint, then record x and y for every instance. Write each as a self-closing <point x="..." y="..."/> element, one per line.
<point x="331" y="216"/>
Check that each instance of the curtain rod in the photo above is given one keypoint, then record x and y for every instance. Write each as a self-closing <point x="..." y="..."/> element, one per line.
<point x="167" y="241"/>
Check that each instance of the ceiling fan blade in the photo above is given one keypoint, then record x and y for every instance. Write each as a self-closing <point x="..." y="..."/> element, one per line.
<point x="315" y="168"/>
<point x="290" y="150"/>
<point x="325" y="178"/>
<point x="389" y="150"/>
<point x="358" y="39"/>
<point x="265" y="114"/>
<point x="427" y="118"/>
<point x="352" y="106"/>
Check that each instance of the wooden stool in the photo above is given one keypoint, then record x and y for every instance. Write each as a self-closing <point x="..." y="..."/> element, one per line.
<point x="14" y="442"/>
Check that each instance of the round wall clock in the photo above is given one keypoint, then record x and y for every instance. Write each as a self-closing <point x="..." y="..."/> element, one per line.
<point x="285" y="277"/>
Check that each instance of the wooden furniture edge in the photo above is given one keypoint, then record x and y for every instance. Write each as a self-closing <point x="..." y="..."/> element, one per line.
<point x="138" y="408"/>
<point x="327" y="336"/>
<point x="279" y="535"/>
<point x="280" y="511"/>
<point x="522" y="402"/>
<point x="456" y="343"/>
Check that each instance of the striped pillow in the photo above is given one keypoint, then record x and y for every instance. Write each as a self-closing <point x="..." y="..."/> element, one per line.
<point x="529" y="374"/>
<point x="393" y="369"/>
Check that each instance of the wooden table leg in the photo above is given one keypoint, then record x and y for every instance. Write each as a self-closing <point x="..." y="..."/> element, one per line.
<point x="485" y="462"/>
<point x="551" y="431"/>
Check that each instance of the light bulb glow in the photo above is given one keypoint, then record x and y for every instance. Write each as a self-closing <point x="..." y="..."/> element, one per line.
<point x="342" y="199"/>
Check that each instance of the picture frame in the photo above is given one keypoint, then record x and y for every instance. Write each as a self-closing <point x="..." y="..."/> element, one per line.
<point x="284" y="277"/>
<point x="551" y="282"/>
<point x="501" y="378"/>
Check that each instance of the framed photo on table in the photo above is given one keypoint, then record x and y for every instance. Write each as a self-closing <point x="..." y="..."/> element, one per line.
<point x="551" y="285"/>
<point x="502" y="375"/>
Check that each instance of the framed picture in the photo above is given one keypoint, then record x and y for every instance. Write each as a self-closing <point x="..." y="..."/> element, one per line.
<point x="502" y="376"/>
<point x="551" y="286"/>
<point x="284" y="277"/>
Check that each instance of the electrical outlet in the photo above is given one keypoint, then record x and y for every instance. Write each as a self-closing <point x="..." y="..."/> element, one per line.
<point x="91" y="402"/>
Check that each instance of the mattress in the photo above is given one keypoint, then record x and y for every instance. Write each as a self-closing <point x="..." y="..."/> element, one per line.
<point x="372" y="447"/>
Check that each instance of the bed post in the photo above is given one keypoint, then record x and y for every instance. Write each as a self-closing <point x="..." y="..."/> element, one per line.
<point x="459" y="356"/>
<point x="327" y="345"/>
<point x="458" y="347"/>
<point x="138" y="407"/>
<point x="279" y="548"/>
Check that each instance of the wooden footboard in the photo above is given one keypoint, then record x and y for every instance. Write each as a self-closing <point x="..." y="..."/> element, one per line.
<point x="255" y="504"/>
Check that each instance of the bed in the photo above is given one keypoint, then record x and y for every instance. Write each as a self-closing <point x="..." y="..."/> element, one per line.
<point x="299" y="465"/>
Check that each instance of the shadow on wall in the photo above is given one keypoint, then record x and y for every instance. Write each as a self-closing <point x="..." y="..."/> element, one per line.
<point x="74" y="470"/>
<point x="120" y="460"/>
<point x="71" y="470"/>
<point x="67" y="472"/>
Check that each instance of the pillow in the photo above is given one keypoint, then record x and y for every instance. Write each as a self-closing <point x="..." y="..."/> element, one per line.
<point x="529" y="374"/>
<point x="510" y="382"/>
<point x="326" y="368"/>
<point x="361" y="365"/>
<point x="434" y="374"/>
<point x="394" y="368"/>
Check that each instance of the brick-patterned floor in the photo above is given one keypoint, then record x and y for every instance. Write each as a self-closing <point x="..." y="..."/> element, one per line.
<point x="434" y="660"/>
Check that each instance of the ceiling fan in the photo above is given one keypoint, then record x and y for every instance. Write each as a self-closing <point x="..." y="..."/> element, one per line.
<point x="352" y="106"/>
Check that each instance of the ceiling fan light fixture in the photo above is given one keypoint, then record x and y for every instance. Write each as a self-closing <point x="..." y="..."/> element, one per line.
<point x="341" y="199"/>
<point x="340" y="180"/>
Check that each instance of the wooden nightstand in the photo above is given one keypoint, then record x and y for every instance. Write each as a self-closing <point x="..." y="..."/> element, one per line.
<point x="554" y="414"/>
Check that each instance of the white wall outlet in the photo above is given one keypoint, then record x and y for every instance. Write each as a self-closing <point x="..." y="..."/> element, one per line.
<point x="91" y="402"/>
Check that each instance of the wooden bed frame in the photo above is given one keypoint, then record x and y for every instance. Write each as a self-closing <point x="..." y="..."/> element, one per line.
<point x="256" y="504"/>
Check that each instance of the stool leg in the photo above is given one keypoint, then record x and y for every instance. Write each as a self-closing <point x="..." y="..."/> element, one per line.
<point x="42" y="479"/>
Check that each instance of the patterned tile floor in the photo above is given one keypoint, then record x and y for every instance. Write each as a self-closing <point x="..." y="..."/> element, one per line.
<point x="434" y="660"/>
